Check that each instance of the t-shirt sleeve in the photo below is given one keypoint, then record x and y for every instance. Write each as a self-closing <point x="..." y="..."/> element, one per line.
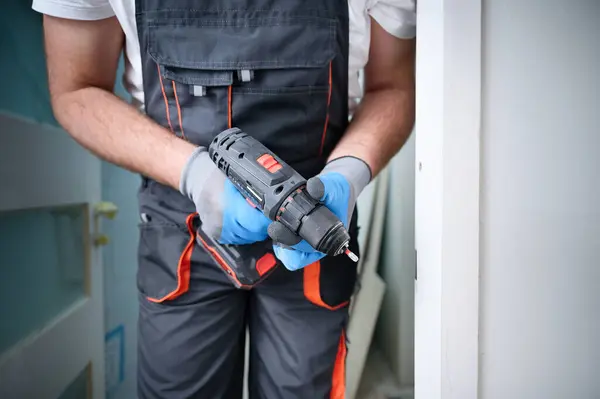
<point x="397" y="17"/>
<point x="87" y="10"/>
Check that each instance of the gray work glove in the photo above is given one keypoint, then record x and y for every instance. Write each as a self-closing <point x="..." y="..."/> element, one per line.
<point x="224" y="212"/>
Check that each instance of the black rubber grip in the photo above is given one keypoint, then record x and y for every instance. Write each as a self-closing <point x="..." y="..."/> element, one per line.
<point x="282" y="235"/>
<point x="315" y="188"/>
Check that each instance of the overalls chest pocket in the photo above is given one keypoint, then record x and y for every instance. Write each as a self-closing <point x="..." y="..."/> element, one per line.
<point x="270" y="76"/>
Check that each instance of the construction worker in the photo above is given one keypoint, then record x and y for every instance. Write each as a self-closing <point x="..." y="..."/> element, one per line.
<point x="284" y="71"/>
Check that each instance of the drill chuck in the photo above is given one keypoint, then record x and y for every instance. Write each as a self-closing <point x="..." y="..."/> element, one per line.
<point x="323" y="232"/>
<point x="335" y="241"/>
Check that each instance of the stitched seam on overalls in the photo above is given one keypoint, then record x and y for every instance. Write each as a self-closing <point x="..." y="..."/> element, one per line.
<point x="294" y="90"/>
<point x="183" y="266"/>
<point x="178" y="109"/>
<point x="255" y="21"/>
<point x="327" y="115"/>
<point x="229" y="107"/>
<point x="162" y="88"/>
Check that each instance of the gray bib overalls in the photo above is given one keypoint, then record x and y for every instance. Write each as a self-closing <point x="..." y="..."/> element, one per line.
<point x="277" y="69"/>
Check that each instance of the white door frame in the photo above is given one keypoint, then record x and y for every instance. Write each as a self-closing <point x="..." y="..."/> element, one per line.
<point x="447" y="198"/>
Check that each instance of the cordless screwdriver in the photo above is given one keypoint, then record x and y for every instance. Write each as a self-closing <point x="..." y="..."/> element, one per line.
<point x="279" y="192"/>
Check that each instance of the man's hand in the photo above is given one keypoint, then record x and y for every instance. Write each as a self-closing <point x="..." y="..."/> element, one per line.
<point x="337" y="186"/>
<point x="224" y="212"/>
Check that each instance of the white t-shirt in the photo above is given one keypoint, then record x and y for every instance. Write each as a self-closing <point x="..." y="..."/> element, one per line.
<point x="396" y="16"/>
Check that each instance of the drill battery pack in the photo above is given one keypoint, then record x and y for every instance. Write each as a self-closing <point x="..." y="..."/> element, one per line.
<point x="245" y="265"/>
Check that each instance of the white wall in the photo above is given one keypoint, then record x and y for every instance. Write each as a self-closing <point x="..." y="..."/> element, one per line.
<point x="395" y="328"/>
<point x="540" y="199"/>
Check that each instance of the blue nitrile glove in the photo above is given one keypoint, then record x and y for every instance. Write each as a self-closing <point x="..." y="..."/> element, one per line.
<point x="337" y="186"/>
<point x="224" y="212"/>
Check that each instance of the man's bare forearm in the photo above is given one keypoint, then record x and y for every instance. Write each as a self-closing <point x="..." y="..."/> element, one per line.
<point x="386" y="114"/>
<point x="380" y="127"/>
<point x="82" y="58"/>
<point x="118" y="133"/>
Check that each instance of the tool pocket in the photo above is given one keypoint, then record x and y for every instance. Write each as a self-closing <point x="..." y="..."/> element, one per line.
<point x="165" y="254"/>
<point x="264" y="72"/>
<point x="330" y="282"/>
